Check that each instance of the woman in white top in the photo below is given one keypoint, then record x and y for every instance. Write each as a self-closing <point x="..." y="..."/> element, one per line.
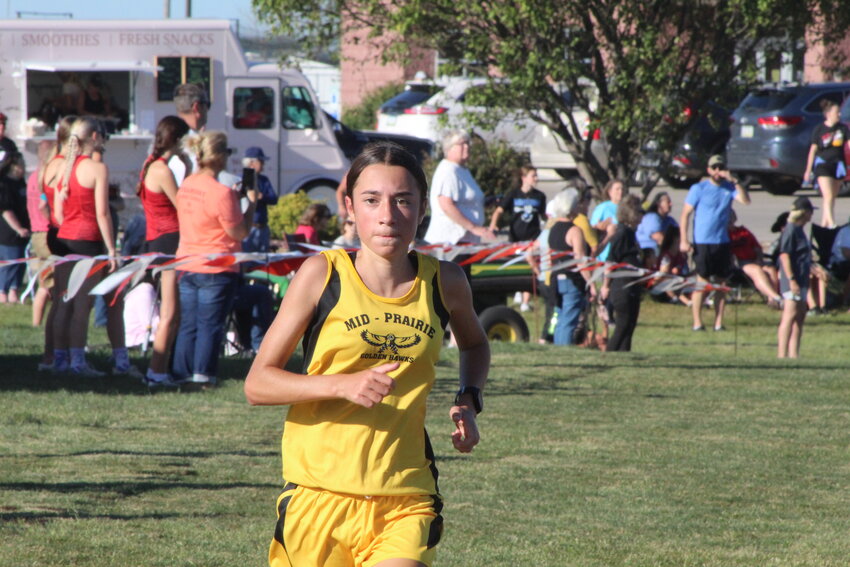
<point x="457" y="203"/>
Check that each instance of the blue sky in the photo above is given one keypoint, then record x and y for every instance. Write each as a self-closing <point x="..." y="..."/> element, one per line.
<point x="136" y="9"/>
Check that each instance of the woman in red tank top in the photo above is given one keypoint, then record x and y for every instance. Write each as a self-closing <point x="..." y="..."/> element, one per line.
<point x="157" y="190"/>
<point x="49" y="176"/>
<point x="82" y="208"/>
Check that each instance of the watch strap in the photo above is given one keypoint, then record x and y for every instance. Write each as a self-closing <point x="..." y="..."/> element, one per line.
<point x="475" y="394"/>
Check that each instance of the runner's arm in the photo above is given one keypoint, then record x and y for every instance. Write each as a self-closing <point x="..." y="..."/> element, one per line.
<point x="269" y="383"/>
<point x="474" y="353"/>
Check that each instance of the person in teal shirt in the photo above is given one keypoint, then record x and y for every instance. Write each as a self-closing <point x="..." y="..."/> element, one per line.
<point x="604" y="217"/>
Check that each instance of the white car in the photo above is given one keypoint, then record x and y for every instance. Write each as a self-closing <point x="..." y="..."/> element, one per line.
<point x="444" y="111"/>
<point x="548" y="150"/>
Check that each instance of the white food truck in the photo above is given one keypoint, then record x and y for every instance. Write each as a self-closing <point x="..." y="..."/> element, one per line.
<point x="129" y="68"/>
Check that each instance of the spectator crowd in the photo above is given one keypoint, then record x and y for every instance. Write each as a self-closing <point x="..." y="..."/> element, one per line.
<point x="67" y="207"/>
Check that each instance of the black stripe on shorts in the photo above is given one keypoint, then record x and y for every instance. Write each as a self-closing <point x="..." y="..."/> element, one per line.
<point x="435" y="532"/>
<point x="281" y="513"/>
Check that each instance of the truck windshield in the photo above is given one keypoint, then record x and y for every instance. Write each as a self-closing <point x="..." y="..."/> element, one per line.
<point x="298" y="112"/>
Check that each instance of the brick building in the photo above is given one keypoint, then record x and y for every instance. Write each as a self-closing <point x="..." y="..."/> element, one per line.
<point x="363" y="71"/>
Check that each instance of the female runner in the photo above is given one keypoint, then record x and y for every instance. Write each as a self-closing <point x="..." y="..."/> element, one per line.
<point x="361" y="483"/>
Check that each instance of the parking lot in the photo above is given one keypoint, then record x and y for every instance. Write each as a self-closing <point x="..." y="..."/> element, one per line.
<point x="758" y="216"/>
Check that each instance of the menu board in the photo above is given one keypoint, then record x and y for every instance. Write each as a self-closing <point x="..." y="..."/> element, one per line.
<point x="199" y="70"/>
<point x="173" y="71"/>
<point x="169" y="75"/>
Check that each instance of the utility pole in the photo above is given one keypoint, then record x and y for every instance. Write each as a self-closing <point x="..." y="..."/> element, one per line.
<point x="166" y="9"/>
<point x="188" y="8"/>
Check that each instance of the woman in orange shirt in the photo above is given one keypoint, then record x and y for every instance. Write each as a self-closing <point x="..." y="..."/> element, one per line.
<point x="211" y="221"/>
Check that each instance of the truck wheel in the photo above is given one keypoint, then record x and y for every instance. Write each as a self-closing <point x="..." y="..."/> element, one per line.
<point x="324" y="194"/>
<point x="504" y="324"/>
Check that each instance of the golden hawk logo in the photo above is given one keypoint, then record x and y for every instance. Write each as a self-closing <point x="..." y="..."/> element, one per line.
<point x="390" y="341"/>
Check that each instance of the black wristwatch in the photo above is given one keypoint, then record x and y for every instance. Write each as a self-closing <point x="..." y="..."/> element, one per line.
<point x="477" y="398"/>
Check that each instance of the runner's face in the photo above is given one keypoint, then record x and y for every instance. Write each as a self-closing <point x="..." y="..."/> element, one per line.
<point x="386" y="207"/>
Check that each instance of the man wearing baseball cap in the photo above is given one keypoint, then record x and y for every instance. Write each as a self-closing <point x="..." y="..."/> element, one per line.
<point x="7" y="146"/>
<point x="710" y="201"/>
<point x="259" y="238"/>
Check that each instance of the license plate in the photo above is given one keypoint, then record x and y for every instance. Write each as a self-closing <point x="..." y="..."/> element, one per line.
<point x="391" y="120"/>
<point x="747" y="131"/>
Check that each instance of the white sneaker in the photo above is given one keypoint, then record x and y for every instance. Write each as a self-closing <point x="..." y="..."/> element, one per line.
<point x="518" y="297"/>
<point x="197" y="381"/>
<point x="198" y="378"/>
<point x="525" y="307"/>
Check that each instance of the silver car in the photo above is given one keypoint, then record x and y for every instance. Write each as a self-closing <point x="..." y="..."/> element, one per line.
<point x="771" y="133"/>
<point x="448" y="108"/>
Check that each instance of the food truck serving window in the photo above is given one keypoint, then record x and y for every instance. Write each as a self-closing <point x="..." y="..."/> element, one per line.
<point x="253" y="108"/>
<point x="103" y="94"/>
<point x="298" y="113"/>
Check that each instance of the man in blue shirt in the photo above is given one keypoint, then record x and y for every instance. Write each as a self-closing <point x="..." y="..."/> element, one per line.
<point x="259" y="238"/>
<point x="710" y="201"/>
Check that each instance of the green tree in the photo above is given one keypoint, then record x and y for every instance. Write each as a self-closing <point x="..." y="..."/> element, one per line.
<point x="364" y="115"/>
<point x="645" y="61"/>
<point x="284" y="216"/>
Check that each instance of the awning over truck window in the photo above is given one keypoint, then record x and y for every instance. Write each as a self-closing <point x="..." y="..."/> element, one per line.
<point x="54" y="66"/>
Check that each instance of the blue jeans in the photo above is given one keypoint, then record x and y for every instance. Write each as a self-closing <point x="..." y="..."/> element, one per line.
<point x="258" y="240"/>
<point x="11" y="276"/>
<point x="254" y="313"/>
<point x="205" y="301"/>
<point x="572" y="304"/>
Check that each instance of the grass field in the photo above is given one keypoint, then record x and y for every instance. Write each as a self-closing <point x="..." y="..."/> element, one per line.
<point x="697" y="449"/>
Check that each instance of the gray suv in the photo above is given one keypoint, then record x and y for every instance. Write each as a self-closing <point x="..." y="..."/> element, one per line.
<point x="771" y="133"/>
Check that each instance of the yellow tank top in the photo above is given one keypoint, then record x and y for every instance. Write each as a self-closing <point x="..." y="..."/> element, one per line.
<point x="340" y="446"/>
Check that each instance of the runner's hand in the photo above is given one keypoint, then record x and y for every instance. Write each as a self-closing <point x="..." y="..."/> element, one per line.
<point x="368" y="387"/>
<point x="465" y="436"/>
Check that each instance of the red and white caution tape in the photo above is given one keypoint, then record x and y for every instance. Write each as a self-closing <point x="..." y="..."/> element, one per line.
<point x="284" y="263"/>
